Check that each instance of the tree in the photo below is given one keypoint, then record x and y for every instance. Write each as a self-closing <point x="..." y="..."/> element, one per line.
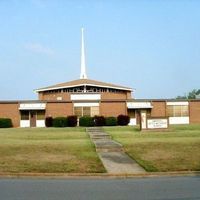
<point x="191" y="95"/>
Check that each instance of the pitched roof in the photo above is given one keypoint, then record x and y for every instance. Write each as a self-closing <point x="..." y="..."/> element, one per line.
<point x="80" y="82"/>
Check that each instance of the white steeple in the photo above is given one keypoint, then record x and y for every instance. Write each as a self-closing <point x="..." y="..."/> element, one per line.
<point x="83" y="67"/>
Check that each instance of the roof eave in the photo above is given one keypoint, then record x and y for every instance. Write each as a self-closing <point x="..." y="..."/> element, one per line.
<point x="62" y="87"/>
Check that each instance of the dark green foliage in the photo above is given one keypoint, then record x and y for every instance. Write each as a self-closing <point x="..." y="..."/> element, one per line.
<point x="86" y="121"/>
<point x="194" y="94"/>
<point x="111" y="121"/>
<point x="5" y="123"/>
<point x="60" y="122"/>
<point x="123" y="120"/>
<point x="99" y="121"/>
<point x="48" y="121"/>
<point x="72" y="121"/>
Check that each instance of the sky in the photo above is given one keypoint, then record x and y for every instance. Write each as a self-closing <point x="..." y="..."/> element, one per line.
<point x="152" y="46"/>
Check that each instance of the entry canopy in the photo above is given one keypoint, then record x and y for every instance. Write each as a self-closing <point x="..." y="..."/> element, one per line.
<point x="139" y="105"/>
<point x="32" y="106"/>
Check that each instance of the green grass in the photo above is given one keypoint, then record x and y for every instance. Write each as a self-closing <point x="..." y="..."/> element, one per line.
<point x="177" y="149"/>
<point x="48" y="150"/>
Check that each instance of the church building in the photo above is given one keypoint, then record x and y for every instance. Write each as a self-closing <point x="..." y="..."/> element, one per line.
<point x="86" y="97"/>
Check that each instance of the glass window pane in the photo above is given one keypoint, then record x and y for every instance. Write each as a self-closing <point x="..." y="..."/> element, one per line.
<point x="184" y="111"/>
<point x="94" y="111"/>
<point x="78" y="111"/>
<point x="170" y="111"/>
<point x="86" y="111"/>
<point x="131" y="113"/>
<point x="40" y="115"/>
<point x="24" y="115"/>
<point x="177" y="111"/>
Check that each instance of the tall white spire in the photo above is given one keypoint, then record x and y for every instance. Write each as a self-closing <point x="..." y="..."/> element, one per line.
<point x="83" y="67"/>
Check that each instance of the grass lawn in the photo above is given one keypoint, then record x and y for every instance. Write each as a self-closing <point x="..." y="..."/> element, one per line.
<point x="175" y="150"/>
<point x="50" y="150"/>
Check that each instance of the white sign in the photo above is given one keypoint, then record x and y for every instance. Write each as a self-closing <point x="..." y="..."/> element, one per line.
<point x="157" y="123"/>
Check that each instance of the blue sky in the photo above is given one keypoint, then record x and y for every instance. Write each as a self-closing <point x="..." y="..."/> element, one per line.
<point x="152" y="46"/>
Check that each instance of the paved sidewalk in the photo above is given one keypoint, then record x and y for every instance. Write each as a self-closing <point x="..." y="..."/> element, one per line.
<point x="111" y="153"/>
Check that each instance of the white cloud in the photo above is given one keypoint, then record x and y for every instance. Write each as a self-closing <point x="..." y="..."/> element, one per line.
<point x="39" y="48"/>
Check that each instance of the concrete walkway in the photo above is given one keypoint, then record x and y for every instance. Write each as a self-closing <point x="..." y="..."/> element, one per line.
<point x="111" y="153"/>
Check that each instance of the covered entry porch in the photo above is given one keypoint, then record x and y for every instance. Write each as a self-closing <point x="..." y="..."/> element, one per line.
<point x="32" y="115"/>
<point x="134" y="110"/>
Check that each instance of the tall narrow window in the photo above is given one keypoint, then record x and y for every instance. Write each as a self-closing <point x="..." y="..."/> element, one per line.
<point x="24" y="115"/>
<point x="40" y="115"/>
<point x="78" y="111"/>
<point x="94" y="111"/>
<point x="86" y="111"/>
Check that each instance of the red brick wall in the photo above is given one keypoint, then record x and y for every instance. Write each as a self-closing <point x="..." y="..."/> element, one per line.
<point x="113" y="108"/>
<point x="53" y="96"/>
<point x="66" y="96"/>
<point x="106" y="96"/>
<point x="159" y="109"/>
<point x="59" y="109"/>
<point x="194" y="110"/>
<point x="10" y="110"/>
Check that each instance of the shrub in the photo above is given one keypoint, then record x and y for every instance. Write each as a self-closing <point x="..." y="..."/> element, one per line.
<point x="110" y="121"/>
<point x="123" y="120"/>
<point x="5" y="123"/>
<point x="48" y="121"/>
<point x="86" y="121"/>
<point x="72" y="121"/>
<point x="99" y="121"/>
<point x="60" y="122"/>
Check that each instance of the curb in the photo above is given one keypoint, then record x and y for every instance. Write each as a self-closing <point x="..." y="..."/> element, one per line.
<point x="98" y="175"/>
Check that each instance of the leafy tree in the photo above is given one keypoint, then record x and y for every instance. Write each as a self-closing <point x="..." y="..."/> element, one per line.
<point x="191" y="95"/>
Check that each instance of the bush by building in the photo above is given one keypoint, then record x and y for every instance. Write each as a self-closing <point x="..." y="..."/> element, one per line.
<point x="86" y="121"/>
<point x="99" y="121"/>
<point x="48" y="121"/>
<point x="123" y="120"/>
<point x="60" y="122"/>
<point x="111" y="121"/>
<point x="5" y="123"/>
<point x="72" y="120"/>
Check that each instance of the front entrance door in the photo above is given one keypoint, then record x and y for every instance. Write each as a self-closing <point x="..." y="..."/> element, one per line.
<point x="32" y="118"/>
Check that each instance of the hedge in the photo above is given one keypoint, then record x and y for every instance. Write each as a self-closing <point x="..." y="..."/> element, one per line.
<point x="48" y="121"/>
<point x="5" y="123"/>
<point x="99" y="121"/>
<point x="111" y="121"/>
<point x="86" y="121"/>
<point x="123" y="120"/>
<point x="60" y="122"/>
<point x="72" y="120"/>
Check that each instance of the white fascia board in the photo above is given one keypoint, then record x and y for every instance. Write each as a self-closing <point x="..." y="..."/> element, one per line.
<point x="182" y="103"/>
<point x="85" y="97"/>
<point x="32" y="106"/>
<point x="85" y="104"/>
<point x="138" y="105"/>
<point x="62" y="87"/>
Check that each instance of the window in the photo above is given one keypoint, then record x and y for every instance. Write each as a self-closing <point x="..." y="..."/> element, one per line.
<point x="24" y="115"/>
<point x="40" y="115"/>
<point x="86" y="111"/>
<point x="78" y="111"/>
<point x="94" y="111"/>
<point x="131" y="113"/>
<point x="177" y="111"/>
